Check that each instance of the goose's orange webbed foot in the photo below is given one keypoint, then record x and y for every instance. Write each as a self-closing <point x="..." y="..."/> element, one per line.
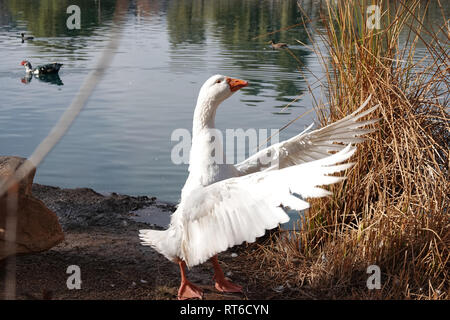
<point x="222" y="283"/>
<point x="188" y="290"/>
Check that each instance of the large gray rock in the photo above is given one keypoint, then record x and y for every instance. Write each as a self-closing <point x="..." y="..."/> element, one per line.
<point x="38" y="228"/>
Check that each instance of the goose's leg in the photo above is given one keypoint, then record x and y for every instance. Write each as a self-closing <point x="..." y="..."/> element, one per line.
<point x="222" y="284"/>
<point x="187" y="290"/>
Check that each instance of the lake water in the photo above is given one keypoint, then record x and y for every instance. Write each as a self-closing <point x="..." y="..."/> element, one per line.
<point x="121" y="142"/>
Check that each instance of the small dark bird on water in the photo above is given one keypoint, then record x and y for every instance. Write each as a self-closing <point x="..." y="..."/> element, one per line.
<point x="26" y="38"/>
<point x="42" y="69"/>
<point x="278" y="45"/>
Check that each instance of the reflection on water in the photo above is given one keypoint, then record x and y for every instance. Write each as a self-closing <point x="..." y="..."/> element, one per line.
<point x="233" y="29"/>
<point x="49" y="78"/>
<point x="121" y="141"/>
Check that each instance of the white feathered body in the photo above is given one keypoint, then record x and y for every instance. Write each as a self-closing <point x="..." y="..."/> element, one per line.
<point x="203" y="171"/>
<point x="223" y="205"/>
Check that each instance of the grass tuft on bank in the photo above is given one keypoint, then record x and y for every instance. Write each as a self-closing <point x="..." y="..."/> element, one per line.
<point x="392" y="211"/>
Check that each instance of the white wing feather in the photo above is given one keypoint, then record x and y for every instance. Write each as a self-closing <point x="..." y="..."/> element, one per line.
<point x="240" y="209"/>
<point x="229" y="212"/>
<point x="309" y="146"/>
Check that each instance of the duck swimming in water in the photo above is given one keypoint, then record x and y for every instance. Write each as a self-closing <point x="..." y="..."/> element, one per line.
<point x="42" y="69"/>
<point x="278" y="45"/>
<point x="25" y="38"/>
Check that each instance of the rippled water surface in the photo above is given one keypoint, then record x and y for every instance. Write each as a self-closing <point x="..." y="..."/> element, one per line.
<point x="122" y="140"/>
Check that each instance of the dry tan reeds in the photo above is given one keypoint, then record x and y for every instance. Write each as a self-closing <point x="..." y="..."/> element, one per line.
<point x="392" y="211"/>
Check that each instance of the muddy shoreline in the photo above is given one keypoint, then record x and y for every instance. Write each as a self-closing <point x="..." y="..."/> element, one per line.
<point x="101" y="237"/>
<point x="83" y="207"/>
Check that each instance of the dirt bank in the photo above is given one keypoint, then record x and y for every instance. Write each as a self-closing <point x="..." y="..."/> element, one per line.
<point x="101" y="237"/>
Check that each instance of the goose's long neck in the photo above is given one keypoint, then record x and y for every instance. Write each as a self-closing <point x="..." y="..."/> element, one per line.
<point x="206" y="153"/>
<point x="204" y="115"/>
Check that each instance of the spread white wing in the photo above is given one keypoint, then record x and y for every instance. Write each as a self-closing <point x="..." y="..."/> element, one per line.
<point x="240" y="209"/>
<point x="310" y="145"/>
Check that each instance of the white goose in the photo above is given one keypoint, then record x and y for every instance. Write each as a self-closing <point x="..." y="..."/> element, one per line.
<point x="223" y="205"/>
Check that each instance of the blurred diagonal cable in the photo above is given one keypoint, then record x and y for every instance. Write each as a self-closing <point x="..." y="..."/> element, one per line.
<point x="59" y="130"/>
<point x="80" y="100"/>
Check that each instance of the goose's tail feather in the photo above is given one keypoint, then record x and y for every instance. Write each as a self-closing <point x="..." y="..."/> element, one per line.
<point x="151" y="237"/>
<point x="160" y="241"/>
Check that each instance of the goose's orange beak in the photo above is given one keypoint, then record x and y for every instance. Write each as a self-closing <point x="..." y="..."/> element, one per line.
<point x="236" y="84"/>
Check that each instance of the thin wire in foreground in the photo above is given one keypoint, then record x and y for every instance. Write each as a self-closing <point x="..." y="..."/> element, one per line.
<point x="10" y="185"/>
<point x="69" y="116"/>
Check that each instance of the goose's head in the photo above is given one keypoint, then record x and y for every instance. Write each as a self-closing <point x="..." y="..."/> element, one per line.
<point x="213" y="92"/>
<point x="218" y="88"/>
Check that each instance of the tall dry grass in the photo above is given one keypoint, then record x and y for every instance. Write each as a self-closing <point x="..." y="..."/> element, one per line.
<point x="392" y="211"/>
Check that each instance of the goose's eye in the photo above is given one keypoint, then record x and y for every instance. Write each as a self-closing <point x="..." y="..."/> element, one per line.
<point x="218" y="81"/>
